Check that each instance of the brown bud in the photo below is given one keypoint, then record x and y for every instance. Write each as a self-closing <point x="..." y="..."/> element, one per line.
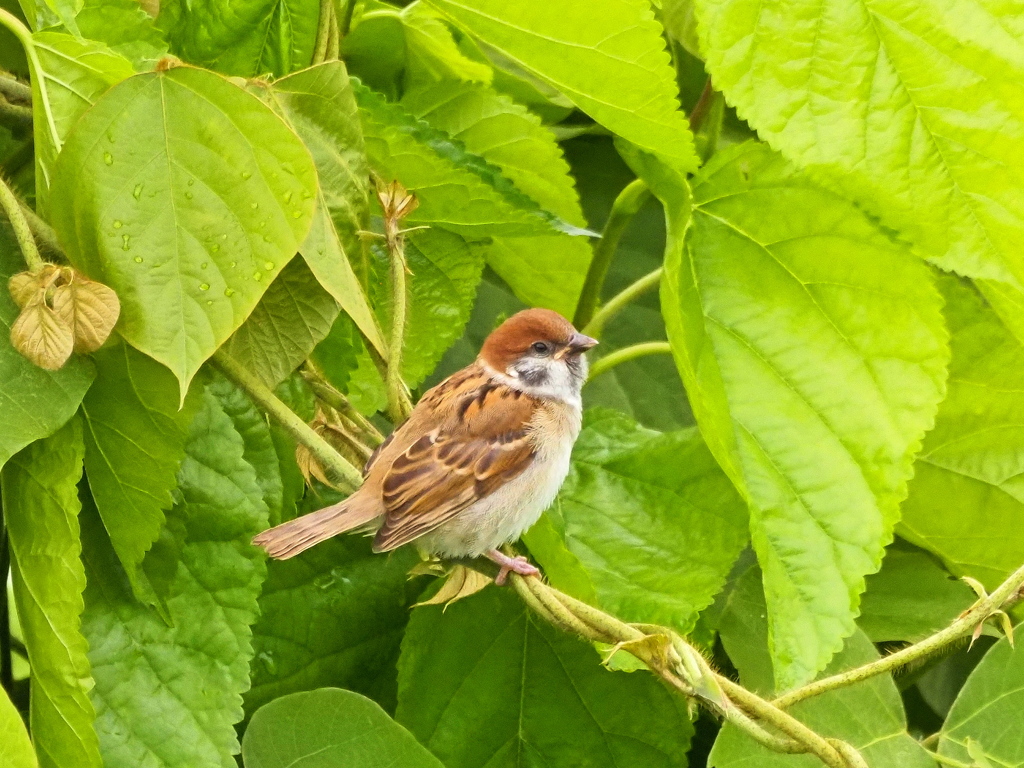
<point x="89" y="308"/>
<point x="42" y="337"/>
<point x="396" y="201"/>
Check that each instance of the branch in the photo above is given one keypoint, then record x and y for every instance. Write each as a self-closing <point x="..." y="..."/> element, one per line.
<point x="338" y="470"/>
<point x="1005" y="595"/>
<point x="14" y="90"/>
<point x="682" y="666"/>
<point x="22" y="231"/>
<point x="625" y="354"/>
<point x="629" y="201"/>
<point x="619" y="301"/>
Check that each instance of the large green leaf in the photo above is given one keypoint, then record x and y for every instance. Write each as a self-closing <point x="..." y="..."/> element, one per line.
<point x="15" y="747"/>
<point x="169" y="694"/>
<point x="319" y="105"/>
<point x="607" y="56"/>
<point x="911" y="597"/>
<point x="332" y="617"/>
<point x="40" y="503"/>
<point x="247" y="37"/>
<point x="486" y="683"/>
<point x="330" y="728"/>
<point x="966" y="497"/>
<point x="134" y="443"/>
<point x="33" y="403"/>
<point x="76" y="72"/>
<point x="456" y="189"/>
<point x="543" y="271"/>
<point x="986" y="715"/>
<point x="773" y="305"/>
<point x="652" y="519"/>
<point x="294" y="315"/>
<point x="868" y="715"/>
<point x="194" y="216"/>
<point x="912" y="110"/>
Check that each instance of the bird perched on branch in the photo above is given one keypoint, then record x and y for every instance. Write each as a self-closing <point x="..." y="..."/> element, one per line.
<point x="479" y="459"/>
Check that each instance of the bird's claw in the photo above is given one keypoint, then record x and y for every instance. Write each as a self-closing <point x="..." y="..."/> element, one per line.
<point x="517" y="564"/>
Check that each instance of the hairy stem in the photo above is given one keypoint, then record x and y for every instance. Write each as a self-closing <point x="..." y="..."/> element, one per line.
<point x="14" y="115"/>
<point x="629" y="201"/>
<point x="12" y="89"/>
<point x="620" y="301"/>
<point x="20" y="31"/>
<point x="22" y="231"/>
<point x="336" y="400"/>
<point x="1004" y="595"/>
<point x="323" y="31"/>
<point x="398" y="402"/>
<point x="632" y="352"/>
<point x="337" y="469"/>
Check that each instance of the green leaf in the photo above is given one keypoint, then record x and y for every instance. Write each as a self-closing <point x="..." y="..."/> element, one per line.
<point x="169" y="695"/>
<point x="773" y="304"/>
<point x="294" y="315"/>
<point x="432" y="55"/>
<point x="319" y="105"/>
<point x="911" y="597"/>
<point x="33" y="403"/>
<point x="869" y="716"/>
<point x="195" y="216"/>
<point x="985" y="714"/>
<point x="123" y="26"/>
<point x="486" y="683"/>
<point x="966" y="478"/>
<point x="246" y="38"/>
<point x="46" y="13"/>
<point x="15" y="747"/>
<point x="913" y="113"/>
<point x="134" y="443"/>
<point x="332" y="617"/>
<point x="741" y="619"/>
<point x="456" y="190"/>
<point x="607" y="56"/>
<point x="330" y="728"/>
<point x="76" y="73"/>
<point x="543" y="271"/>
<point x="632" y="490"/>
<point x="40" y="503"/>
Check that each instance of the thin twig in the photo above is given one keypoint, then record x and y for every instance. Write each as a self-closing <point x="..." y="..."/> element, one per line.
<point x="625" y="207"/>
<point x="338" y="470"/>
<point x="323" y="31"/>
<point x="1004" y="595"/>
<point x="620" y="300"/>
<point x="22" y="231"/>
<point x="625" y="354"/>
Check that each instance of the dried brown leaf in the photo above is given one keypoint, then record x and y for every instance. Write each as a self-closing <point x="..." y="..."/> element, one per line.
<point x="462" y="582"/>
<point x="27" y="287"/>
<point x="42" y="337"/>
<point x="89" y="308"/>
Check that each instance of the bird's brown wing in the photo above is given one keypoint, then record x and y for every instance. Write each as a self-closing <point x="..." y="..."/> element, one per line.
<point x="482" y="443"/>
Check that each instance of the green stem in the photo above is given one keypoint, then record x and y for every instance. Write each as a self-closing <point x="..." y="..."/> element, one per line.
<point x="398" y="409"/>
<point x="633" y="352"/>
<point x="620" y="300"/>
<point x="14" y="90"/>
<point x="629" y="201"/>
<point x="21" y="32"/>
<point x="345" y="24"/>
<point x="44" y="234"/>
<point x="22" y="231"/>
<point x="334" y="38"/>
<point x="340" y="403"/>
<point x="15" y="115"/>
<point x="702" y="107"/>
<point x="323" y="31"/>
<point x="340" y="471"/>
<point x="1005" y="594"/>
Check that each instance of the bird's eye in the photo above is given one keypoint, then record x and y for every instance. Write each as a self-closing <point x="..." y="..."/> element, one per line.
<point x="540" y="348"/>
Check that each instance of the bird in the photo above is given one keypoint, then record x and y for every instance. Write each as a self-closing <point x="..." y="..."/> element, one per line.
<point x="479" y="459"/>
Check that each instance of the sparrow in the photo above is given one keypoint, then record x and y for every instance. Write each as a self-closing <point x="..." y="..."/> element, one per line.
<point x="480" y="457"/>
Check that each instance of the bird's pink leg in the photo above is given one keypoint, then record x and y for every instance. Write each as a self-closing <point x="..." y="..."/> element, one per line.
<point x="518" y="564"/>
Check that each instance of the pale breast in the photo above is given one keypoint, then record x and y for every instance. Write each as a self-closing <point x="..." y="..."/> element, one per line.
<point x="504" y="515"/>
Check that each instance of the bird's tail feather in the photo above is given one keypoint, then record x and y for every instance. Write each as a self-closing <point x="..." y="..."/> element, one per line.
<point x="298" y="535"/>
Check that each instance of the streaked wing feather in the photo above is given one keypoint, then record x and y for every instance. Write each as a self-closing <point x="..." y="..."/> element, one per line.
<point x="462" y="461"/>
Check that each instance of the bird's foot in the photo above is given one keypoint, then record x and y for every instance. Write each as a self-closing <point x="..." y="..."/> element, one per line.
<point x="518" y="564"/>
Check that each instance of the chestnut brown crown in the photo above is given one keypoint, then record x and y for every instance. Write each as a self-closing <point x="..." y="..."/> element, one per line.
<point x="517" y="336"/>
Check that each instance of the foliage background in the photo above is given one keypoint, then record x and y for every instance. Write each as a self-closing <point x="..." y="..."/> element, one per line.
<point x="834" y="438"/>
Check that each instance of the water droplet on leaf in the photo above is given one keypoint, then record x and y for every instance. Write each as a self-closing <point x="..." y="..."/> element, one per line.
<point x="215" y="247"/>
<point x="188" y="195"/>
<point x="108" y="158"/>
<point x="254" y="206"/>
<point x="229" y="292"/>
<point x="257" y="275"/>
<point x="124" y="242"/>
<point x="137" y="193"/>
<point x="117" y="224"/>
<point x="268" y="265"/>
<point x="138" y="259"/>
<point x="204" y="287"/>
<point x="246" y="175"/>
